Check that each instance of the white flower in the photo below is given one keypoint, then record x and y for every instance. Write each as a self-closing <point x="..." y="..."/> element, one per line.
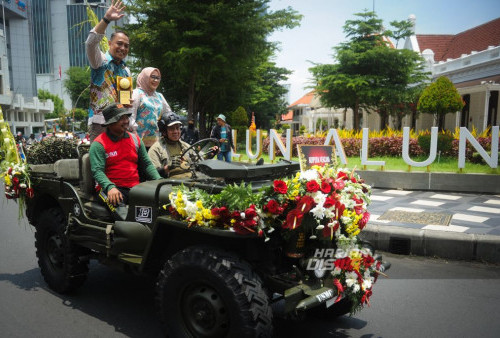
<point x="309" y="175"/>
<point x="242" y="215"/>
<point x="355" y="287"/>
<point x="22" y="186"/>
<point x="320" y="227"/>
<point x="337" y="271"/>
<point x="318" y="211"/>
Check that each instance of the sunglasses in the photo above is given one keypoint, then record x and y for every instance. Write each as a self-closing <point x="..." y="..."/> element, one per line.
<point x="156" y="78"/>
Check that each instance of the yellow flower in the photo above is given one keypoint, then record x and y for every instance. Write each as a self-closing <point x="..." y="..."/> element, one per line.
<point x="207" y="214"/>
<point x="199" y="204"/>
<point x="7" y="180"/>
<point x="233" y="221"/>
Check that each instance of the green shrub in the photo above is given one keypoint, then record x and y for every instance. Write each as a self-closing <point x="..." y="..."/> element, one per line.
<point x="444" y="143"/>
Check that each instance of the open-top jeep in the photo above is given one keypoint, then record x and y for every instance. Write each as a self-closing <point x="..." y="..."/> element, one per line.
<point x="211" y="282"/>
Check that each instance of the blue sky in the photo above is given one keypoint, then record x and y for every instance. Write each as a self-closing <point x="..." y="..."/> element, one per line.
<point x="321" y="27"/>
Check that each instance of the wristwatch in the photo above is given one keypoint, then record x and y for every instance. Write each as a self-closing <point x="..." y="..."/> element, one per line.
<point x="106" y="20"/>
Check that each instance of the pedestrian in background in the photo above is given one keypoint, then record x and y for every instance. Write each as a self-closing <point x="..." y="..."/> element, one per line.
<point x="190" y="134"/>
<point x="222" y="132"/>
<point x="148" y="106"/>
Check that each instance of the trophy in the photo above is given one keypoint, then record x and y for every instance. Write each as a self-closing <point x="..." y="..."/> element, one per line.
<point x="124" y="85"/>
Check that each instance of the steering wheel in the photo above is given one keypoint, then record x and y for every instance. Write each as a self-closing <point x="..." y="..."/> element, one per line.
<point x="202" y="150"/>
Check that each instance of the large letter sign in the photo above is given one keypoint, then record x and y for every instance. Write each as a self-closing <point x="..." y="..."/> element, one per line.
<point x="364" y="151"/>
<point x="406" y="148"/>
<point x="275" y="137"/>
<point x="258" y="152"/>
<point x="466" y="135"/>
<point x="339" y="149"/>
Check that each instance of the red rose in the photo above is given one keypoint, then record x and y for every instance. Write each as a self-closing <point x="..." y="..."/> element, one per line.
<point x="312" y="186"/>
<point x="325" y="187"/>
<point x="305" y="204"/>
<point x="15" y="181"/>
<point x="273" y="207"/>
<point x="280" y="187"/>
<point x="339" y="185"/>
<point x="250" y="212"/>
<point x="293" y="219"/>
<point x="329" y="202"/>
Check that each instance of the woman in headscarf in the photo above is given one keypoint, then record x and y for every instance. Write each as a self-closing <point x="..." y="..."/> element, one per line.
<point x="147" y="106"/>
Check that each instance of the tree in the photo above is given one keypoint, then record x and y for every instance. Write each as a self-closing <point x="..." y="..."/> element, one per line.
<point x="440" y="98"/>
<point x="368" y="71"/>
<point x="77" y="84"/>
<point x="59" y="110"/>
<point x="267" y="98"/>
<point x="208" y="52"/>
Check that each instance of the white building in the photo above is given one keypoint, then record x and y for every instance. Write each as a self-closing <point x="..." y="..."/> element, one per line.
<point x="471" y="60"/>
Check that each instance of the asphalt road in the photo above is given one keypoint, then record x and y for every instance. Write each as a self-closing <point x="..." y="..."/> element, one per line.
<point x="422" y="298"/>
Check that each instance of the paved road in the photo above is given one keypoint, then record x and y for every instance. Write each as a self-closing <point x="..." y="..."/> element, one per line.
<point x="423" y="297"/>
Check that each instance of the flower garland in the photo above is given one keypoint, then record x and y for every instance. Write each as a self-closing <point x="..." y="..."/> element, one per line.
<point x="327" y="203"/>
<point x="14" y="169"/>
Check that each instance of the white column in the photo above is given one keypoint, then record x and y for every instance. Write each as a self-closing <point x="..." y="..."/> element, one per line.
<point x="486" y="104"/>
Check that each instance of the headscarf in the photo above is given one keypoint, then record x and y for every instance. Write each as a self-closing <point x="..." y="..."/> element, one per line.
<point x="143" y="80"/>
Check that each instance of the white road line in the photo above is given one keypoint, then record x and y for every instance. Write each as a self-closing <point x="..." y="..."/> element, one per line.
<point x="452" y="228"/>
<point x="380" y="198"/>
<point x="407" y="209"/>
<point x="497" y="202"/>
<point x="470" y="218"/>
<point x="397" y="192"/>
<point x="446" y="197"/>
<point x="427" y="203"/>
<point x="485" y="209"/>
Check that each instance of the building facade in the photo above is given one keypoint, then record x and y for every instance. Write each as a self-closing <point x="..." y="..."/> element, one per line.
<point x="18" y="92"/>
<point x="471" y="60"/>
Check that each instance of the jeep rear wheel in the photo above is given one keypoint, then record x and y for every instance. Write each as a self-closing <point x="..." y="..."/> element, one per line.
<point x="210" y="293"/>
<point x="59" y="261"/>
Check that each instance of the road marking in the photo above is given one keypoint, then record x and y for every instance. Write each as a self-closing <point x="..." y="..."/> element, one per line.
<point x="374" y="218"/>
<point x="446" y="197"/>
<point x="470" y="218"/>
<point x="497" y="202"/>
<point x="427" y="203"/>
<point x="397" y="192"/>
<point x="485" y="209"/>
<point x="452" y="228"/>
<point x="407" y="209"/>
<point x="380" y="198"/>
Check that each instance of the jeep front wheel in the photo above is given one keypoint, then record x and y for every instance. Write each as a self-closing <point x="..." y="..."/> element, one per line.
<point x="59" y="260"/>
<point x="209" y="293"/>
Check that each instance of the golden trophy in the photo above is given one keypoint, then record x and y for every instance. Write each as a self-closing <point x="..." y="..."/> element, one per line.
<point x="124" y="85"/>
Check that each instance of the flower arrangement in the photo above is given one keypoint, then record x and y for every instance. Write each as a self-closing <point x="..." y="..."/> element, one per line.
<point x="14" y="169"/>
<point x="323" y="203"/>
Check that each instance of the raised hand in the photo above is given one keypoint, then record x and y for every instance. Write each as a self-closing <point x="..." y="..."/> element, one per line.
<point x="116" y="11"/>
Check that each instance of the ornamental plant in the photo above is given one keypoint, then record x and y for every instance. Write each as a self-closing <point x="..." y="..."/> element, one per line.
<point x="327" y="204"/>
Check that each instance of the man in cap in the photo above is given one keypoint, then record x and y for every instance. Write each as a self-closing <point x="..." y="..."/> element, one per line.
<point x="105" y="67"/>
<point x="222" y="132"/>
<point x="118" y="156"/>
<point x="165" y="154"/>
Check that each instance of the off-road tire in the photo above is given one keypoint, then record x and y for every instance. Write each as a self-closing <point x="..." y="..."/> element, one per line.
<point x="59" y="259"/>
<point x="204" y="292"/>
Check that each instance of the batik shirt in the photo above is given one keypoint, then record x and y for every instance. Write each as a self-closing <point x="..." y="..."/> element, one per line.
<point x="102" y="77"/>
<point x="146" y="110"/>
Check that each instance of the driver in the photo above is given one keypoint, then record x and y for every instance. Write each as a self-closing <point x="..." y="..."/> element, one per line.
<point x="165" y="153"/>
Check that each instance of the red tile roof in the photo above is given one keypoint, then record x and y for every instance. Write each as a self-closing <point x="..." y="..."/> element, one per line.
<point x="306" y="99"/>
<point x="453" y="46"/>
<point x="288" y="116"/>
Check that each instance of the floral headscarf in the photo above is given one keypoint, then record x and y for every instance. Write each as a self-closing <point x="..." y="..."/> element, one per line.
<point x="143" y="80"/>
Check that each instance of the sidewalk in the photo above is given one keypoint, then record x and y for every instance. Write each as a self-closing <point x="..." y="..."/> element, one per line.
<point x="447" y="225"/>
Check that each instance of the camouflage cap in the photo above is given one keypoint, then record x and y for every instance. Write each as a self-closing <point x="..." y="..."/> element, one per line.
<point x="114" y="112"/>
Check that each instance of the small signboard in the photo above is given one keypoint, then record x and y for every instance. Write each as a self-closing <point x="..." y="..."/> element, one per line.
<point x="311" y="155"/>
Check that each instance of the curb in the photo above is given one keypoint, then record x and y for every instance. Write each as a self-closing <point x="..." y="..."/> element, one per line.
<point x="443" y="244"/>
